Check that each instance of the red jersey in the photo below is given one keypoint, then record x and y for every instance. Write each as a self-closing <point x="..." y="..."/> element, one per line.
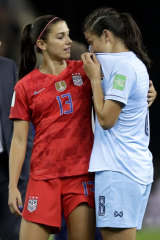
<point x="60" y="109"/>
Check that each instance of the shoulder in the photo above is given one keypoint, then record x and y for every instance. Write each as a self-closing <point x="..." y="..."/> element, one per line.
<point x="75" y="66"/>
<point x="75" y="63"/>
<point x="6" y="62"/>
<point x="26" y="81"/>
<point x="123" y="65"/>
<point x="31" y="76"/>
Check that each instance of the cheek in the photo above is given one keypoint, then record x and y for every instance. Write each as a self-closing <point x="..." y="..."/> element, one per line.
<point x="96" y="47"/>
<point x="55" y="50"/>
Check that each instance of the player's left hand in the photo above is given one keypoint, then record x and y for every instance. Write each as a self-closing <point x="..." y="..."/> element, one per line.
<point x="152" y="94"/>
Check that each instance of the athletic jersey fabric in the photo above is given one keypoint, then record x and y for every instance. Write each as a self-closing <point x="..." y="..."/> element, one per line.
<point x="124" y="147"/>
<point x="60" y="109"/>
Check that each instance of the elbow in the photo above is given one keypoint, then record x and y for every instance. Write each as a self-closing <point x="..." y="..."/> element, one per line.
<point x="106" y="125"/>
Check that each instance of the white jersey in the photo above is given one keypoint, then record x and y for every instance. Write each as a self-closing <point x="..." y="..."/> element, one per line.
<point x="124" y="147"/>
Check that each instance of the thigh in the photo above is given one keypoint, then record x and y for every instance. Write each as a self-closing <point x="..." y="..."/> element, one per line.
<point x="81" y="223"/>
<point x="33" y="231"/>
<point x="118" y="234"/>
<point x="43" y="203"/>
<point x="62" y="235"/>
<point x="77" y="190"/>
<point x="79" y="206"/>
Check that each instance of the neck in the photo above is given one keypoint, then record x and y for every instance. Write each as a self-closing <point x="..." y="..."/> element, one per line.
<point x="53" y="67"/>
<point x="119" y="47"/>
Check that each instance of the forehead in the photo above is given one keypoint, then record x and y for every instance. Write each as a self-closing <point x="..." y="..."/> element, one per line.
<point x="59" y="27"/>
<point x="90" y="36"/>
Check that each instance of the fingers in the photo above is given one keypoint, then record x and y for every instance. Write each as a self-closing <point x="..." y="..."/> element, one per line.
<point x="95" y="59"/>
<point x="14" y="208"/>
<point x="83" y="58"/>
<point x="89" y="57"/>
<point x="151" y="93"/>
<point x="151" y="97"/>
<point x="150" y="83"/>
<point x="86" y="57"/>
<point x="15" y="203"/>
<point x="20" y="205"/>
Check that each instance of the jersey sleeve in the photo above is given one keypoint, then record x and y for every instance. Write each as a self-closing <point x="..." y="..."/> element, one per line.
<point x="19" y="105"/>
<point x="121" y="83"/>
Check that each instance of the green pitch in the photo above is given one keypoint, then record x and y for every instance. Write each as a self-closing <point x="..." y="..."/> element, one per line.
<point x="145" y="234"/>
<point x="148" y="234"/>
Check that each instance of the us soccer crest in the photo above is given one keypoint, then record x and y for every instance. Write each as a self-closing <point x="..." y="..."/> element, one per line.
<point x="77" y="79"/>
<point x="32" y="204"/>
<point x="60" y="86"/>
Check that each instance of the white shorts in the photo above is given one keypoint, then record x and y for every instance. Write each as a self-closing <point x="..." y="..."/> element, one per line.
<point x="120" y="201"/>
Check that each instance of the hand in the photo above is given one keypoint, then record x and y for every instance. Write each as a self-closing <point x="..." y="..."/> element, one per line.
<point x="91" y="66"/>
<point x="152" y="94"/>
<point x="15" y="201"/>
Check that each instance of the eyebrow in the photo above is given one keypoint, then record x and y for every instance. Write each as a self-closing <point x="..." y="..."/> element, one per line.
<point x="62" y="33"/>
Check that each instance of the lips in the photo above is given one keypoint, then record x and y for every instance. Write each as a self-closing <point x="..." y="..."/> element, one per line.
<point x="67" y="49"/>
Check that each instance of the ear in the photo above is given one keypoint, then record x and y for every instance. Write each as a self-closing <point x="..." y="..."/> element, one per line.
<point x="41" y="44"/>
<point x="106" y="34"/>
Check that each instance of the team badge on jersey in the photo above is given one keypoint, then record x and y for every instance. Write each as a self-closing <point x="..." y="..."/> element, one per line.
<point x="77" y="79"/>
<point x="60" y="86"/>
<point x="119" y="82"/>
<point x="32" y="204"/>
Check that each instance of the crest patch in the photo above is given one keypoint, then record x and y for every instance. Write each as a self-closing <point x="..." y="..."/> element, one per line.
<point x="60" y="86"/>
<point x="119" y="82"/>
<point x="77" y="79"/>
<point x="32" y="204"/>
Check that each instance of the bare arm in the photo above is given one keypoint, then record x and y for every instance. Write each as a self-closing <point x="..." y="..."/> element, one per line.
<point x="16" y="159"/>
<point x="107" y="110"/>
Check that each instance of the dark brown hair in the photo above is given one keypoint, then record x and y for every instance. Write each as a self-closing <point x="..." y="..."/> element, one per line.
<point x="29" y="38"/>
<point x="122" y="25"/>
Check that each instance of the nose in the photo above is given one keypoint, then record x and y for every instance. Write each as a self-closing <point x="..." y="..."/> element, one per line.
<point x="69" y="40"/>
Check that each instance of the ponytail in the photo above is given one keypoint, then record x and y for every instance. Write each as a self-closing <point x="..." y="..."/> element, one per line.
<point x="28" y="56"/>
<point x="133" y="38"/>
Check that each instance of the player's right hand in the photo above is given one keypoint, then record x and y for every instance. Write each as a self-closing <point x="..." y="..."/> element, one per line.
<point x="15" y="201"/>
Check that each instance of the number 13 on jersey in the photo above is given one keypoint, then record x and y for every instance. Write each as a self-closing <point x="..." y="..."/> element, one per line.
<point x="68" y="102"/>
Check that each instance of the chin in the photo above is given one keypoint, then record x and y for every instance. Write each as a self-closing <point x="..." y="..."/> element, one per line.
<point x="67" y="56"/>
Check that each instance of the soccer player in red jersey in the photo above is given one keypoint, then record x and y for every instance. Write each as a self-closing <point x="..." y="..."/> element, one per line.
<point x="57" y="99"/>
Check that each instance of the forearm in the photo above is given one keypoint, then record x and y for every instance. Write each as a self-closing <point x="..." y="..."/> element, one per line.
<point x="107" y="111"/>
<point x="16" y="159"/>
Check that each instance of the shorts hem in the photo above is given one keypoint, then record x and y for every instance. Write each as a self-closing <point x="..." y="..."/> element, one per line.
<point x="114" y="225"/>
<point x="78" y="202"/>
<point x="43" y="222"/>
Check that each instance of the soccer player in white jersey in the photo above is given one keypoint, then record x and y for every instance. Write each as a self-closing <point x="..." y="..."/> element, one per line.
<point x="120" y="158"/>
